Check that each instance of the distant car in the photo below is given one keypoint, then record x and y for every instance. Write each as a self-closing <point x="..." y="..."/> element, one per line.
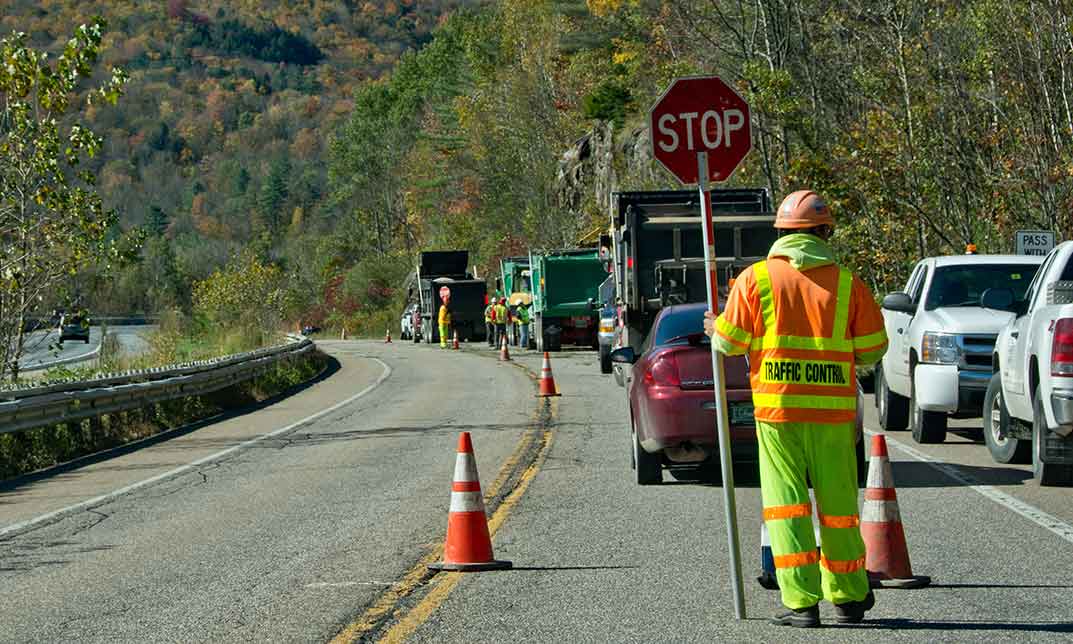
<point x="74" y="327"/>
<point x="608" y="320"/>
<point x="310" y="329"/>
<point x="672" y="402"/>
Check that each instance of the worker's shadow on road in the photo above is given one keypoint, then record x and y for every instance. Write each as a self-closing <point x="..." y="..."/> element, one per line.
<point x="943" y="625"/>
<point x="918" y="474"/>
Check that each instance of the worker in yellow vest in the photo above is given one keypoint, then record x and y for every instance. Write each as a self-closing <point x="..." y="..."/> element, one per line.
<point x="805" y="323"/>
<point x="501" y="320"/>
<point x="445" y="324"/>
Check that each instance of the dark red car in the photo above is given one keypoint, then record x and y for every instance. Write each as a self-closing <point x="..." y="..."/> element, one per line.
<point x="672" y="402"/>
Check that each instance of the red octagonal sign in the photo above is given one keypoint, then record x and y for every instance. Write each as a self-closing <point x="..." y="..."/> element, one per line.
<point x="700" y="115"/>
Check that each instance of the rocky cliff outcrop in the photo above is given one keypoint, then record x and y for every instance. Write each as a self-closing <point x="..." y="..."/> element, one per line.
<point x="606" y="160"/>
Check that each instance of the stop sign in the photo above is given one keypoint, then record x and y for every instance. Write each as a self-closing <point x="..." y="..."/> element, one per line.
<point x="445" y="294"/>
<point x="700" y="115"/>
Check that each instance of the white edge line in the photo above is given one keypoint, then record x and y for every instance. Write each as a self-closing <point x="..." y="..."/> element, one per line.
<point x="98" y="500"/>
<point x="1030" y="512"/>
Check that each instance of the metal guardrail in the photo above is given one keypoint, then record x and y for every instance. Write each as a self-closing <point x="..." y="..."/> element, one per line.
<point x="36" y="406"/>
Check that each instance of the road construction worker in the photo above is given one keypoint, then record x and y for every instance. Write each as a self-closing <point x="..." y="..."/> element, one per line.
<point x="805" y="322"/>
<point x="489" y="325"/>
<point x="445" y="324"/>
<point x="501" y="320"/>
<point x="523" y="325"/>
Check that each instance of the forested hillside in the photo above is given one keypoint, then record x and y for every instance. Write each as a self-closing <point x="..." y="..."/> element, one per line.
<point x="220" y="138"/>
<point x="313" y="147"/>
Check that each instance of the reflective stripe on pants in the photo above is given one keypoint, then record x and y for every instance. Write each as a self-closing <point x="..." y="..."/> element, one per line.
<point x="825" y="452"/>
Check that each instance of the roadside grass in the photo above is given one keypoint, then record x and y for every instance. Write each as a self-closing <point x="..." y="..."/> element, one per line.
<point x="35" y="449"/>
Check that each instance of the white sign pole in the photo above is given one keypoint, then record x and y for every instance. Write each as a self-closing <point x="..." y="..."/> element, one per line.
<point x="726" y="462"/>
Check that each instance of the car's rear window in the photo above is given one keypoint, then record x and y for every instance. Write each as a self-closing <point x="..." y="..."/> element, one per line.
<point x="963" y="285"/>
<point x="677" y="323"/>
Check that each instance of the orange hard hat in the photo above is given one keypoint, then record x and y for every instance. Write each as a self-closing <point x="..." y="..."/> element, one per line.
<point x="803" y="209"/>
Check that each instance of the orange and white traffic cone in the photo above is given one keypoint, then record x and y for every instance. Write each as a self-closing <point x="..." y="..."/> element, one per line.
<point x="886" y="554"/>
<point x="387" y="336"/>
<point x="468" y="546"/>
<point x="504" y="353"/>
<point x="547" y="381"/>
<point x="454" y="344"/>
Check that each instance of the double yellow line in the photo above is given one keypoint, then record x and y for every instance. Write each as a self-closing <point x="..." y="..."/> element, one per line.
<point x="389" y="605"/>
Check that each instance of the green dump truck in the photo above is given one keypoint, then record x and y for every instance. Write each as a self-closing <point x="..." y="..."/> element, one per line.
<point x="513" y="282"/>
<point x="566" y="292"/>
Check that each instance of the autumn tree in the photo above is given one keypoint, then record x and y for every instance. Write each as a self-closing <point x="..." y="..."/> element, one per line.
<point x="52" y="221"/>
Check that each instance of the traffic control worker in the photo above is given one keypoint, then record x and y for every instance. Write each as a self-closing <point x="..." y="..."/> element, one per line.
<point x="805" y="322"/>
<point x="445" y="324"/>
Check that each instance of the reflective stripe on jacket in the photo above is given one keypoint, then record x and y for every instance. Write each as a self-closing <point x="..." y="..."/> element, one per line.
<point x="804" y="331"/>
<point x="488" y="313"/>
<point x="445" y="316"/>
<point x="501" y="314"/>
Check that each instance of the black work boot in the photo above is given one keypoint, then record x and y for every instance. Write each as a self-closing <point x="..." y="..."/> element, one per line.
<point x="798" y="617"/>
<point x="853" y="612"/>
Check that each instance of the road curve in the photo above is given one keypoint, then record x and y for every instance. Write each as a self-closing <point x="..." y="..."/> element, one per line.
<point x="286" y="539"/>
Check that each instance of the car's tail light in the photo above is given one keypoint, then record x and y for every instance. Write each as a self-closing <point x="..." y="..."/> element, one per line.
<point x="1062" y="348"/>
<point x="663" y="371"/>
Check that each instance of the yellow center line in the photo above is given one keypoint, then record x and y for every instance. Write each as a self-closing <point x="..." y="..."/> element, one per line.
<point x="409" y="622"/>
<point x="442" y="583"/>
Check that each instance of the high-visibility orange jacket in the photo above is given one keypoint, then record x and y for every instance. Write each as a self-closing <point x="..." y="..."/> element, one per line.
<point x="805" y="322"/>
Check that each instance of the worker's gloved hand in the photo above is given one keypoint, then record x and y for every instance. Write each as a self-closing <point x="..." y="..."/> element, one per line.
<point x="709" y="323"/>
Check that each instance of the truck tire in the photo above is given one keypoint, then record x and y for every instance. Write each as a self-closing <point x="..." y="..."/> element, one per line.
<point x="892" y="408"/>
<point x="605" y="359"/>
<point x="538" y="332"/>
<point x="927" y="426"/>
<point x="1045" y="473"/>
<point x="647" y="468"/>
<point x="1003" y="447"/>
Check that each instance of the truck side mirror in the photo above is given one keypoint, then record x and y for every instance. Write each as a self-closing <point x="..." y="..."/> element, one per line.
<point x="900" y="302"/>
<point x="625" y="355"/>
<point x="591" y="304"/>
<point x="1000" y="299"/>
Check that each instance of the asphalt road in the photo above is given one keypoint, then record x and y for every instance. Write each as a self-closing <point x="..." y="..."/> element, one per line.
<point x="322" y="528"/>
<point x="42" y="347"/>
<point x="285" y="539"/>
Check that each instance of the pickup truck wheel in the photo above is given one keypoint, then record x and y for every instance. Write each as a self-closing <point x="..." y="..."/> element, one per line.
<point x="1045" y="473"/>
<point x="605" y="359"/>
<point x="1003" y="447"/>
<point x="893" y="409"/>
<point x="648" y="468"/>
<point x="927" y="426"/>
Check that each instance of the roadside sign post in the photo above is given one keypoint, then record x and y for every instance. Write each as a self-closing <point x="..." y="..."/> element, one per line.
<point x="716" y="137"/>
<point x="1034" y="242"/>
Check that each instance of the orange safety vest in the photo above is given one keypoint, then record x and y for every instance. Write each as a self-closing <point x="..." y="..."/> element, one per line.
<point x="797" y="331"/>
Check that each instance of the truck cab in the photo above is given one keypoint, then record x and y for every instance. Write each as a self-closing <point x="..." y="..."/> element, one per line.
<point x="1029" y="405"/>
<point x="942" y="338"/>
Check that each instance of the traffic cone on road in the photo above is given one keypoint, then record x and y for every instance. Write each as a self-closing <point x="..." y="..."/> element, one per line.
<point x="387" y="336"/>
<point x="547" y="381"/>
<point x="468" y="546"/>
<point x="886" y="554"/>
<point x="454" y="344"/>
<point x="504" y="353"/>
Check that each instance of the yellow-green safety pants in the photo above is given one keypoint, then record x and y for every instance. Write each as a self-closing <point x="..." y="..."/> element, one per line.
<point x="825" y="452"/>
<point x="443" y="335"/>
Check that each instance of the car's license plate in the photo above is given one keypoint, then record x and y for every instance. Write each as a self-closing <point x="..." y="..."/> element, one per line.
<point x="741" y="413"/>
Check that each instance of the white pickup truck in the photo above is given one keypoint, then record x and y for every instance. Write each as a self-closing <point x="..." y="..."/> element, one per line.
<point x="1029" y="404"/>
<point x="941" y="340"/>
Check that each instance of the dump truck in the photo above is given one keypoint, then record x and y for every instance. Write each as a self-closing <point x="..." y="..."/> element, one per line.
<point x="514" y="283"/>
<point x="566" y="291"/>
<point x="469" y="296"/>
<point x="658" y="250"/>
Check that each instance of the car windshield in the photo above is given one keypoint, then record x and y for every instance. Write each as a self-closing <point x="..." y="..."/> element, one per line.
<point x="963" y="285"/>
<point x="679" y="324"/>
